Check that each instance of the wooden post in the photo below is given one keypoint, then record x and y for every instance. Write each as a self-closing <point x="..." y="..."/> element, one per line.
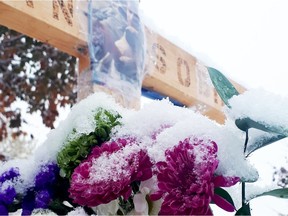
<point x="171" y="71"/>
<point x="47" y="21"/>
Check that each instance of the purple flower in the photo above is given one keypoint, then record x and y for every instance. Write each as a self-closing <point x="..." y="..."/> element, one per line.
<point x="9" y="175"/>
<point x="108" y="172"/>
<point x="3" y="210"/>
<point x="6" y="198"/>
<point x="7" y="195"/>
<point x="46" y="176"/>
<point x="186" y="178"/>
<point x="42" y="199"/>
<point x="40" y="195"/>
<point x="7" y="191"/>
<point x="28" y="203"/>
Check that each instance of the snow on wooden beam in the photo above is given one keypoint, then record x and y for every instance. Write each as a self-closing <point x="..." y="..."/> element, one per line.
<point x="171" y="71"/>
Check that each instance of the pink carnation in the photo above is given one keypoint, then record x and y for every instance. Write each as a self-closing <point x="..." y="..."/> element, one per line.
<point x="108" y="172"/>
<point x="186" y="179"/>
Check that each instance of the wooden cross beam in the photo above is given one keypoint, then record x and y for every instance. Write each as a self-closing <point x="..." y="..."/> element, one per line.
<point x="175" y="73"/>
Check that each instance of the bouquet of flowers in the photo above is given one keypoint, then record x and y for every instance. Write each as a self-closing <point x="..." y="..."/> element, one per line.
<point x="163" y="159"/>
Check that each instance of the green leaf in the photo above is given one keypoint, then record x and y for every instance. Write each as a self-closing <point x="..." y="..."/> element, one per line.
<point x="58" y="207"/>
<point x="224" y="194"/>
<point x="75" y="150"/>
<point x="280" y="193"/>
<point x="263" y="141"/>
<point x="276" y="133"/>
<point x="223" y="86"/>
<point x="246" y="123"/>
<point x="223" y="199"/>
<point x="244" y="210"/>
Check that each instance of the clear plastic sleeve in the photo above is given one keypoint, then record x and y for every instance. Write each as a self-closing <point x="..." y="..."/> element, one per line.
<point x="117" y="47"/>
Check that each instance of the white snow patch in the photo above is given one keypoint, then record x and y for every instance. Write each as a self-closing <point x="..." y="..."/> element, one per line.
<point x="261" y="106"/>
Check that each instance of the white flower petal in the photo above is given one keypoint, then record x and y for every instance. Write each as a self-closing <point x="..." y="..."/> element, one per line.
<point x="140" y="203"/>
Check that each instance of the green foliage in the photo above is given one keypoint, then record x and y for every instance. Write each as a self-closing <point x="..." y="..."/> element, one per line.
<point x="263" y="141"/>
<point x="36" y="73"/>
<point x="106" y="120"/>
<point x="59" y="208"/>
<point x="244" y="210"/>
<point x="126" y="206"/>
<point x="222" y="85"/>
<point x="77" y="149"/>
<point x="280" y="193"/>
<point x="224" y="194"/>
<point x="275" y="133"/>
<point x="226" y="91"/>
<point x="247" y="123"/>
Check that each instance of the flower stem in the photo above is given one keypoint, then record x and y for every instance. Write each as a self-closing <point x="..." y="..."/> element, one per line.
<point x="246" y="141"/>
<point x="243" y="183"/>
<point x="243" y="194"/>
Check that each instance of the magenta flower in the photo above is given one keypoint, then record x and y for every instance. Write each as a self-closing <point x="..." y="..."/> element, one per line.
<point x="108" y="172"/>
<point x="186" y="179"/>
